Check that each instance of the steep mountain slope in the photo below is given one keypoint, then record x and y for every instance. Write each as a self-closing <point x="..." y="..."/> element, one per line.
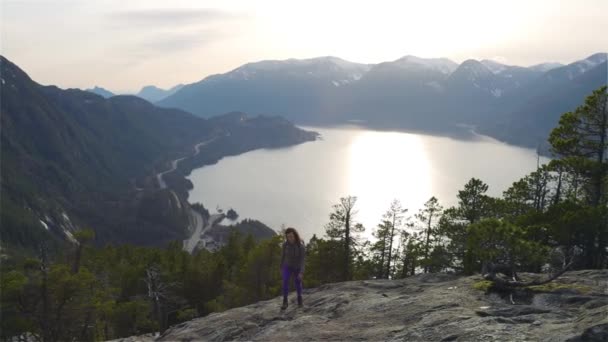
<point x="72" y="159"/>
<point x="70" y="156"/>
<point x="530" y="113"/>
<point x="512" y="76"/>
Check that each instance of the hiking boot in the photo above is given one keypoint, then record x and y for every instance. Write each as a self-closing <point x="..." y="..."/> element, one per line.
<point x="300" y="301"/>
<point x="284" y="306"/>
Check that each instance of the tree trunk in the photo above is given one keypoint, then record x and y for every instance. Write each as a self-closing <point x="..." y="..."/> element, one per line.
<point x="468" y="262"/>
<point x="558" y="190"/>
<point x="76" y="265"/>
<point x="404" y="268"/>
<point x="381" y="270"/>
<point x="83" y="333"/>
<point x="44" y="294"/>
<point x="426" y="245"/>
<point x="390" y="247"/>
<point x="601" y="248"/>
<point x="347" y="246"/>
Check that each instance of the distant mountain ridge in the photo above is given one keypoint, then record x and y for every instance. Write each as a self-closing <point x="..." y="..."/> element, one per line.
<point x="101" y="92"/>
<point x="542" y="67"/>
<point x="152" y="93"/>
<point x="408" y="93"/>
<point x="149" y="93"/>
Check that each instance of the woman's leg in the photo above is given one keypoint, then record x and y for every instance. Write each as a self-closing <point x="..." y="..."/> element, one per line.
<point x="286" y="275"/>
<point x="298" y="282"/>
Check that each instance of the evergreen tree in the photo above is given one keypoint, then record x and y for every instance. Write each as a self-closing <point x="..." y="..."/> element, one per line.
<point x="473" y="202"/>
<point x="581" y="142"/>
<point x="379" y="249"/>
<point x="342" y="227"/>
<point x="409" y="252"/>
<point x="493" y="240"/>
<point x="473" y="205"/>
<point x="324" y="261"/>
<point x="394" y="218"/>
<point x="427" y="219"/>
<point x="260" y="276"/>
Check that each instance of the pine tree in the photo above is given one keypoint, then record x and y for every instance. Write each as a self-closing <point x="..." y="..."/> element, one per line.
<point x="428" y="218"/>
<point x="394" y="218"/>
<point x="324" y="260"/>
<point x="581" y="141"/>
<point x="379" y="248"/>
<point x="342" y="226"/>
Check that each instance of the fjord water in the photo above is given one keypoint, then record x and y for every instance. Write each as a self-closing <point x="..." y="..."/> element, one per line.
<point x="298" y="185"/>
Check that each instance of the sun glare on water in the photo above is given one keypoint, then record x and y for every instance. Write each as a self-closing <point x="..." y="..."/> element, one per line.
<point x="385" y="166"/>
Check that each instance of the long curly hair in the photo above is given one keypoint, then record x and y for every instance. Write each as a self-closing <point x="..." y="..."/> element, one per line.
<point x="295" y="233"/>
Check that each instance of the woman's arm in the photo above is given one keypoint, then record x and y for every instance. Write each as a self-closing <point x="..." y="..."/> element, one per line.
<point x="283" y="255"/>
<point x="302" y="255"/>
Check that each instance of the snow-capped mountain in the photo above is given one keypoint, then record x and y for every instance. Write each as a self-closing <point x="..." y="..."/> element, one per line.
<point x="591" y="61"/>
<point x="473" y="78"/>
<point x="575" y="69"/>
<point x="307" y="86"/>
<point x="531" y="111"/>
<point x="472" y="71"/>
<point x="510" y="76"/>
<point x="409" y="76"/>
<point x="495" y="67"/>
<point x="442" y="65"/>
<point x="410" y="91"/>
<point x="334" y="71"/>
<point x="544" y="67"/>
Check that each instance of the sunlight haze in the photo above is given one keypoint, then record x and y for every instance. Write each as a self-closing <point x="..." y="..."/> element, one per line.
<point x="124" y="45"/>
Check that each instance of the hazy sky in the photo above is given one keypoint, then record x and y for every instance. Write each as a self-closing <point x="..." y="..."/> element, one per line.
<point x="125" y="44"/>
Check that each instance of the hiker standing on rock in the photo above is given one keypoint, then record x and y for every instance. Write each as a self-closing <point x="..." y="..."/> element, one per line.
<point x="292" y="263"/>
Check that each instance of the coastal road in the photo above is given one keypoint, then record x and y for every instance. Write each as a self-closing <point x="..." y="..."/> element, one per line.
<point x="200" y="229"/>
<point x="196" y="219"/>
<point x="197" y="222"/>
<point x="197" y="150"/>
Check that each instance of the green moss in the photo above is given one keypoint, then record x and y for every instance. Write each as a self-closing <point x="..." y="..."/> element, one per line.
<point x="550" y="287"/>
<point x="483" y="285"/>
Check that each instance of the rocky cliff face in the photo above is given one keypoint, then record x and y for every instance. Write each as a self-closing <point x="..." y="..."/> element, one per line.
<point x="429" y="307"/>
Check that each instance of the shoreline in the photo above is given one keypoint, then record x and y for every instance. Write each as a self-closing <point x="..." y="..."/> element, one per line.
<point x="174" y="163"/>
<point x="198" y="225"/>
<point x="467" y="132"/>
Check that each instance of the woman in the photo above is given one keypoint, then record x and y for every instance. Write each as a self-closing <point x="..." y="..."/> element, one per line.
<point x="292" y="263"/>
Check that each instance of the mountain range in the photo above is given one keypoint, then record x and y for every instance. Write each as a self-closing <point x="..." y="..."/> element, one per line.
<point x="149" y="93"/>
<point x="516" y="104"/>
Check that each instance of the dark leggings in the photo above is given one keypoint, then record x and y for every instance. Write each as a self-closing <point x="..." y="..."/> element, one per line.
<point x="287" y="273"/>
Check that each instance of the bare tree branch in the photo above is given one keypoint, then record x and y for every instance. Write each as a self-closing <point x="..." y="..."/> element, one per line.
<point x="505" y="284"/>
